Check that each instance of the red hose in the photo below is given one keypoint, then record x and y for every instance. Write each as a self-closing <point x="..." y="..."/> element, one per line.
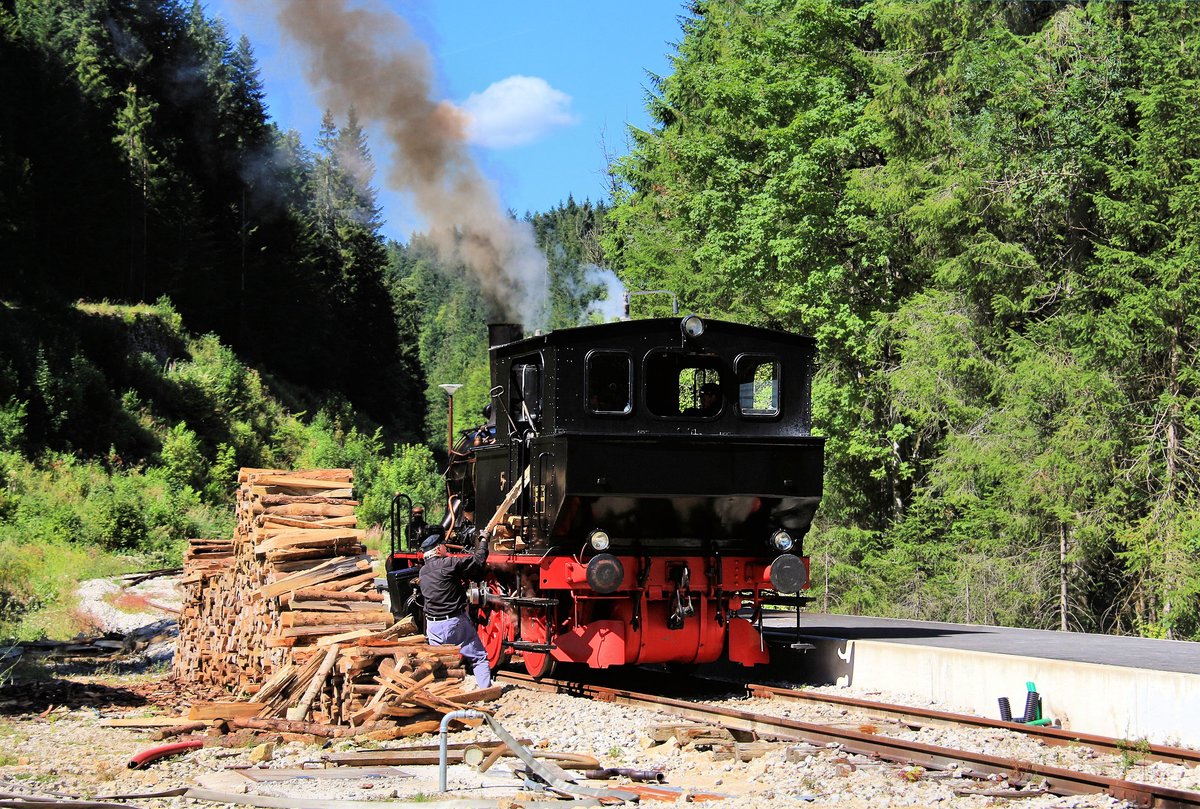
<point x="146" y="757"/>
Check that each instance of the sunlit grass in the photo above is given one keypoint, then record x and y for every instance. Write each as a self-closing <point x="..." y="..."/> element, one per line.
<point x="45" y="576"/>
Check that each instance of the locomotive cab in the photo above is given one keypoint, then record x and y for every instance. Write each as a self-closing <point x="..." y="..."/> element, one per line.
<point x="648" y="488"/>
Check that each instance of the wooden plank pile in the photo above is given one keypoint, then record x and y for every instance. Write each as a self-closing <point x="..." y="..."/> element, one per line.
<point x="285" y="611"/>
<point x="295" y="534"/>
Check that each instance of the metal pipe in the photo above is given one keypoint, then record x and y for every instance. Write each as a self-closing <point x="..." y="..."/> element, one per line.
<point x="604" y="773"/>
<point x="450" y="389"/>
<point x="442" y="733"/>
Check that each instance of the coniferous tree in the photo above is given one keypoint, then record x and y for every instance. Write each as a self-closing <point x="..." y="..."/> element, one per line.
<point x="569" y="234"/>
<point x="982" y="212"/>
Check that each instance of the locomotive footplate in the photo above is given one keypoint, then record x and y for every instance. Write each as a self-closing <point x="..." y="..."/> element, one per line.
<point x="786" y="601"/>
<point x="528" y="646"/>
<point x="524" y="601"/>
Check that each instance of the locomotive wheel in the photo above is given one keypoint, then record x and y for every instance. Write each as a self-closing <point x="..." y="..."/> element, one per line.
<point x="493" y="632"/>
<point x="535" y="628"/>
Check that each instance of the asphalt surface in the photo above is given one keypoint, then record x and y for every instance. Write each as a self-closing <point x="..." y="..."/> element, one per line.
<point x="1111" y="650"/>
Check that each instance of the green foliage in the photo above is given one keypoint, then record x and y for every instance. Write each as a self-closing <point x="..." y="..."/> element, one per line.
<point x="986" y="214"/>
<point x="159" y="173"/>
<point x="222" y="474"/>
<point x="66" y="519"/>
<point x="192" y="414"/>
<point x="734" y="201"/>
<point x="570" y="235"/>
<point x="12" y="424"/>
<point x="410" y="470"/>
<point x="19" y="590"/>
<point x="182" y="459"/>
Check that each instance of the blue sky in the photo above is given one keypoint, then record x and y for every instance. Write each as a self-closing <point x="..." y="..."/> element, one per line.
<point x="549" y="86"/>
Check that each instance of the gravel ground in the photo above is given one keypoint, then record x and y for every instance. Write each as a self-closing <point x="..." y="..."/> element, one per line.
<point x="46" y="751"/>
<point x="68" y="752"/>
<point x="114" y="607"/>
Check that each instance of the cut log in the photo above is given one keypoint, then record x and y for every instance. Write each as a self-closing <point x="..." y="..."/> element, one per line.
<point x="305" y="618"/>
<point x="318" y="681"/>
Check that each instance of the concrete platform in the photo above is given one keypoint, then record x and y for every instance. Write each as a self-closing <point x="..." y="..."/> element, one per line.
<point x="1130" y="688"/>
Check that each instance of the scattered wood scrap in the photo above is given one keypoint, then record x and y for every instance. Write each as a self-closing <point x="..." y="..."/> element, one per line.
<point x="726" y="743"/>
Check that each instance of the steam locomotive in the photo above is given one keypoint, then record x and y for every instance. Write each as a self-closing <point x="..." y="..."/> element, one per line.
<point x="647" y="485"/>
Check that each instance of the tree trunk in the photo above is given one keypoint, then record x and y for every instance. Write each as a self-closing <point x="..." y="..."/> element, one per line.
<point x="1062" y="577"/>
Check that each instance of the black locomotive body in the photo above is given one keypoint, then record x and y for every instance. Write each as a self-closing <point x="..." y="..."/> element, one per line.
<point x="647" y="485"/>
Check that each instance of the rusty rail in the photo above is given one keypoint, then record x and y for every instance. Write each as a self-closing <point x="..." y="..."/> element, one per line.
<point x="928" y="716"/>
<point x="1058" y="781"/>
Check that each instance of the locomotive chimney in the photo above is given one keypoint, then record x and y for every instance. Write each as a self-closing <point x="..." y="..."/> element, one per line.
<point x="501" y="333"/>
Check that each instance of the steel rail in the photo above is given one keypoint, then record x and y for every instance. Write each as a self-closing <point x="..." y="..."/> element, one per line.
<point x="928" y="716"/>
<point x="1057" y="780"/>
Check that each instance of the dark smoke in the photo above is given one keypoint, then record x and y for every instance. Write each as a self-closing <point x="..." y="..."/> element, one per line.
<point x="367" y="57"/>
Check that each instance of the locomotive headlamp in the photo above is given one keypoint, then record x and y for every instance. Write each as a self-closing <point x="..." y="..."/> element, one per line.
<point x="782" y="541"/>
<point x="788" y="574"/>
<point x="599" y="540"/>
<point x="605" y="573"/>
<point x="692" y="327"/>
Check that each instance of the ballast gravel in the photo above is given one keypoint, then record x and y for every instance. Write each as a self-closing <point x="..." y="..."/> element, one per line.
<point x="70" y="753"/>
<point x="50" y="751"/>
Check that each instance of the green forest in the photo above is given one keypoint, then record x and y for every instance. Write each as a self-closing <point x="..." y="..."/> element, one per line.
<point x="985" y="213"/>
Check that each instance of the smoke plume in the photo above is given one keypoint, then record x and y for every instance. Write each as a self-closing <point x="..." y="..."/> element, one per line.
<point x="367" y="57"/>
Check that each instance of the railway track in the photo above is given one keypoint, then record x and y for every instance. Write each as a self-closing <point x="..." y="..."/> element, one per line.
<point x="931" y="757"/>
<point x="919" y="717"/>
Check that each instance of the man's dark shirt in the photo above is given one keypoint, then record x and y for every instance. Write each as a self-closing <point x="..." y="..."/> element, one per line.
<point x="442" y="580"/>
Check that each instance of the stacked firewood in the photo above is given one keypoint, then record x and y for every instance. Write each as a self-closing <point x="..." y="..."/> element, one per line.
<point x="206" y="557"/>
<point x="295" y="571"/>
<point x="285" y="612"/>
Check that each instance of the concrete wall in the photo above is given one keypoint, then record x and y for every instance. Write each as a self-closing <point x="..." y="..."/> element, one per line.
<point x="1128" y="703"/>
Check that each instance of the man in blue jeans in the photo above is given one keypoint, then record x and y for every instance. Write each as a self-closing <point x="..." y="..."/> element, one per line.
<point x="443" y="587"/>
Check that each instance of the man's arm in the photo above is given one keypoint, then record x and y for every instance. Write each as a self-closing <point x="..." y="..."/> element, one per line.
<point x="476" y="563"/>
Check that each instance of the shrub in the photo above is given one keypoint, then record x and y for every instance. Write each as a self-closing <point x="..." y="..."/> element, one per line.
<point x="411" y="470"/>
<point x="222" y="475"/>
<point x="115" y="516"/>
<point x="182" y="457"/>
<point x="18" y="593"/>
<point x="12" y="424"/>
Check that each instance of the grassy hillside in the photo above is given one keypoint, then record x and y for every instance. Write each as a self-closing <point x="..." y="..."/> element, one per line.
<point x="120" y="437"/>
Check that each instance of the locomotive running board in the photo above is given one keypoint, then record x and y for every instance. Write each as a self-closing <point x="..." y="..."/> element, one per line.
<point x="528" y="646"/>
<point x="524" y="601"/>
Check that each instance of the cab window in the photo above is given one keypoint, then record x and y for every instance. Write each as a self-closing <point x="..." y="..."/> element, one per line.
<point x="609" y="382"/>
<point x="758" y="386"/>
<point x="684" y="385"/>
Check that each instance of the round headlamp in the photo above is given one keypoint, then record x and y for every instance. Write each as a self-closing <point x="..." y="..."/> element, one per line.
<point x="599" y="540"/>
<point x="788" y="574"/>
<point x="605" y="573"/>
<point x="782" y="541"/>
<point x="692" y="327"/>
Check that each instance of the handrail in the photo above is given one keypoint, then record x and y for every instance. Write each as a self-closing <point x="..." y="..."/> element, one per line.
<point x="394" y="515"/>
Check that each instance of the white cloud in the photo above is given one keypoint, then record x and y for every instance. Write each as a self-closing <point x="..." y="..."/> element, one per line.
<point x="516" y="111"/>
